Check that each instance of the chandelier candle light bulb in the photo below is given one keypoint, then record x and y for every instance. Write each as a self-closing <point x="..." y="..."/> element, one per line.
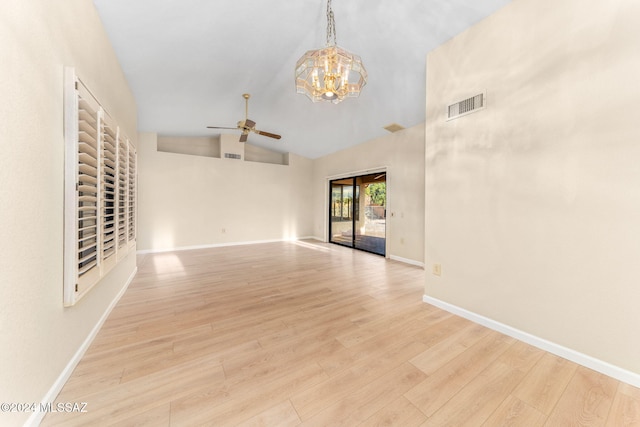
<point x="330" y="73"/>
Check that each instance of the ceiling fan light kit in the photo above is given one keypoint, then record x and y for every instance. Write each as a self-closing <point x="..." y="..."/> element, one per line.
<point x="330" y="73"/>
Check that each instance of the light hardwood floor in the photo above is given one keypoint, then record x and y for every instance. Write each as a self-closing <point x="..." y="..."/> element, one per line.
<point x="305" y="333"/>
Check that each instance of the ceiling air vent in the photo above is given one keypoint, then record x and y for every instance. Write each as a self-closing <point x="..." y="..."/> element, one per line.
<point x="466" y="106"/>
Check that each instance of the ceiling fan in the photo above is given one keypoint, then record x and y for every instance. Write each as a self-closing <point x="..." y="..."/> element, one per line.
<point x="247" y="125"/>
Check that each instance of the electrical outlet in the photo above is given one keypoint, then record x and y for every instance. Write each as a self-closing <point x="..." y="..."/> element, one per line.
<point x="436" y="270"/>
<point x="224" y="230"/>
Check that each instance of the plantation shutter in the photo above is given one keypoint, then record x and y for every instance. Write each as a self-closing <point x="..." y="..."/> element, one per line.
<point x="100" y="191"/>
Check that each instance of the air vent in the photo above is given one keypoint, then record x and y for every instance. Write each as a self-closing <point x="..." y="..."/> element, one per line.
<point x="467" y="106"/>
<point x="232" y="156"/>
<point x="394" y="127"/>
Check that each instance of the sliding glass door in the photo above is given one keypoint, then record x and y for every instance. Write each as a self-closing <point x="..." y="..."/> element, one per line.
<point x="358" y="212"/>
<point x="341" y="215"/>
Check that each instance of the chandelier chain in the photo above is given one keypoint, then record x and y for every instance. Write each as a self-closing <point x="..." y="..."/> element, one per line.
<point x="331" y="26"/>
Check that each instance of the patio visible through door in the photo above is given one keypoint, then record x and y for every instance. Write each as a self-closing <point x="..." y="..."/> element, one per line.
<point x="357" y="212"/>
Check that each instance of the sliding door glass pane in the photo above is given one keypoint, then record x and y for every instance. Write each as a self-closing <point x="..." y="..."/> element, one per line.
<point x="342" y="208"/>
<point x="371" y="213"/>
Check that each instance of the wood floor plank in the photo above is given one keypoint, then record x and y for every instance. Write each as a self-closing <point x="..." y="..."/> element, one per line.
<point x="368" y="399"/>
<point x="625" y="410"/>
<point x="513" y="412"/>
<point x="629" y="390"/>
<point x="586" y="401"/>
<point x="546" y="382"/>
<point x="484" y="394"/>
<point x="430" y="395"/>
<point x="143" y="368"/>
<point x="225" y="404"/>
<point x="521" y="356"/>
<point x="282" y="414"/>
<point x="313" y="400"/>
<point x="401" y="336"/>
<point x="400" y="412"/>
<point x="452" y="342"/>
<point x="376" y="327"/>
<point x="118" y="403"/>
<point x="293" y="333"/>
<point x="158" y="416"/>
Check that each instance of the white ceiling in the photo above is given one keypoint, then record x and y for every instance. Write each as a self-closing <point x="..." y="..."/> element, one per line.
<point x="188" y="62"/>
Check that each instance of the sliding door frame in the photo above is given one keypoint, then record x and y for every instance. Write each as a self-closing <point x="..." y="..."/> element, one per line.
<point x="328" y="199"/>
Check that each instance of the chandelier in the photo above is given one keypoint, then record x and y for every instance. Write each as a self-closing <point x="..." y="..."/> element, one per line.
<point x="330" y="73"/>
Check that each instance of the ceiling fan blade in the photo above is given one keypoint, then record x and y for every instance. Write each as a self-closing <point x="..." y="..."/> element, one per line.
<point x="270" y="135"/>
<point x="243" y="137"/>
<point x="249" y="123"/>
<point x="219" y="127"/>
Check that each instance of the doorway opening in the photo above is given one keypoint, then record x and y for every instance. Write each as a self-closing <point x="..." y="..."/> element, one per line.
<point x="358" y="212"/>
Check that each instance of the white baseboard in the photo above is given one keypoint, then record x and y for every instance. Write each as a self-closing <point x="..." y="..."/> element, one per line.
<point x="36" y="417"/>
<point x="406" y="261"/>
<point x="217" y="245"/>
<point x="598" y="365"/>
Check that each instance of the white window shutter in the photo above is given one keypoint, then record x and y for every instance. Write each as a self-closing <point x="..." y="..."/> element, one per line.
<point x="100" y="198"/>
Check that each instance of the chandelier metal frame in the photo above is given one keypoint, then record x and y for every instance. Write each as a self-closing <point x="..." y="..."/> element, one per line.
<point x="331" y="73"/>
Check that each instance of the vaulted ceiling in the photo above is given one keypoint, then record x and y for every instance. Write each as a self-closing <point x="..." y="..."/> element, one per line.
<point x="188" y="62"/>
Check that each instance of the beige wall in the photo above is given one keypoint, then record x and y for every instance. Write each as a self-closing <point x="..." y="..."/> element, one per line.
<point x="38" y="336"/>
<point x="533" y="205"/>
<point x="188" y="201"/>
<point x="402" y="153"/>
<point x="192" y="145"/>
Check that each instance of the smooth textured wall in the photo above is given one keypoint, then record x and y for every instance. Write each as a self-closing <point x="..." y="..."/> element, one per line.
<point x="38" y="336"/>
<point x="402" y="154"/>
<point x="188" y="201"/>
<point x="208" y="146"/>
<point x="533" y="204"/>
